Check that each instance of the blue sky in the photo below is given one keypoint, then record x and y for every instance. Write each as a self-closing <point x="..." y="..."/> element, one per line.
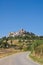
<point x="17" y="14"/>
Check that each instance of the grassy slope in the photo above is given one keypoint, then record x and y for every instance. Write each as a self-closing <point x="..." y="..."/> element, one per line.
<point x="37" y="59"/>
<point x="37" y="54"/>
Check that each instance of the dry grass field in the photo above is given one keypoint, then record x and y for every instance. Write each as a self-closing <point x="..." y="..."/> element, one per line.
<point x="6" y="52"/>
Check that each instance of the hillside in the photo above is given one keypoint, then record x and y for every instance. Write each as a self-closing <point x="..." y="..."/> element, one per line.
<point x="18" y="40"/>
<point x="22" y="34"/>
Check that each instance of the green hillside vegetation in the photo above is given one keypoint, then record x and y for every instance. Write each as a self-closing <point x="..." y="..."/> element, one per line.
<point x="37" y="51"/>
<point x="21" y="42"/>
<point x="24" y="41"/>
<point x="37" y="47"/>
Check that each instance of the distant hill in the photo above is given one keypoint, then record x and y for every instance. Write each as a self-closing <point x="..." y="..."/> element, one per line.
<point x="21" y="32"/>
<point x="16" y="39"/>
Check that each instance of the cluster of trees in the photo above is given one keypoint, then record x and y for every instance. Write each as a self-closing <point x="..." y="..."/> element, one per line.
<point x="4" y="43"/>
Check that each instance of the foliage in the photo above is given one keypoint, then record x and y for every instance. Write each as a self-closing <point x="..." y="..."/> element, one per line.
<point x="37" y="48"/>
